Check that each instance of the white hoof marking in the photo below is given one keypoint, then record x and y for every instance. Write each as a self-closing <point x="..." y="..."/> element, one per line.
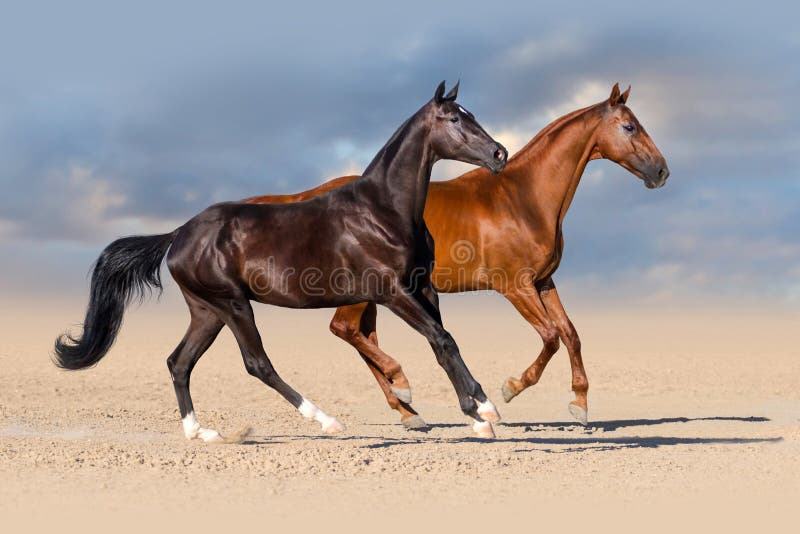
<point x="483" y="429"/>
<point x="329" y="424"/>
<point x="193" y="430"/>
<point x="508" y="394"/>
<point x="415" y="423"/>
<point x="403" y="395"/>
<point x="332" y="426"/>
<point x="579" y="414"/>
<point x="488" y="411"/>
<point x="209" y="436"/>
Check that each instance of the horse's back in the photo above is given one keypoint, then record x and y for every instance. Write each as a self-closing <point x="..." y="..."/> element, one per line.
<point x="303" y="195"/>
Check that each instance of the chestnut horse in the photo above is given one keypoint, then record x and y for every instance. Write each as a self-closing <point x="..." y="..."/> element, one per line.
<point x="504" y="234"/>
<point x="365" y="241"/>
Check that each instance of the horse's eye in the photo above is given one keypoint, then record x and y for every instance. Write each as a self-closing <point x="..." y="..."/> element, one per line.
<point x="454" y="119"/>
<point x="629" y="127"/>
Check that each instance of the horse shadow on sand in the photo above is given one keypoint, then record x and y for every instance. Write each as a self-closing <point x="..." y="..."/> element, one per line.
<point x="610" y="426"/>
<point x="577" y="439"/>
<point x="580" y="438"/>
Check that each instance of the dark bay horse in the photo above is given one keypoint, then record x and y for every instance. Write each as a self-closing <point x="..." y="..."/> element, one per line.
<point x="504" y="233"/>
<point x="365" y="241"/>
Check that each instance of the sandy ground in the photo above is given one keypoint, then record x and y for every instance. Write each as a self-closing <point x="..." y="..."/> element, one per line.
<point x="695" y="421"/>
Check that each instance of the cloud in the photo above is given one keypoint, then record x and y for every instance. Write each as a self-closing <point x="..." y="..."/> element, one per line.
<point x="105" y="132"/>
<point x="70" y="203"/>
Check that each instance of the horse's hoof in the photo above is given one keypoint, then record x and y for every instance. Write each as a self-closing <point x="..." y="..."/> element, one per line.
<point x="210" y="436"/>
<point x="415" y="422"/>
<point x="488" y="412"/>
<point x="483" y="429"/>
<point x="403" y="395"/>
<point x="333" y="426"/>
<point x="508" y="393"/>
<point x="579" y="413"/>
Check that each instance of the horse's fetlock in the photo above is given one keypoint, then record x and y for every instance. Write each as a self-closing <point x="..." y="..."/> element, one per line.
<point x="394" y="370"/>
<point x="580" y="384"/>
<point x="467" y="405"/>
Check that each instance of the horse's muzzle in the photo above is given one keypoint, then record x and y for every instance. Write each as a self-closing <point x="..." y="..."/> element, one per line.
<point x="499" y="159"/>
<point x="658" y="178"/>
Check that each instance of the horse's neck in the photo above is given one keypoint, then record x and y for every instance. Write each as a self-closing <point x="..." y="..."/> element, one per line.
<point x="550" y="167"/>
<point x="402" y="171"/>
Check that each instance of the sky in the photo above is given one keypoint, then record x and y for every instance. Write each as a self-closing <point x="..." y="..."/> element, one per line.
<point x="130" y="119"/>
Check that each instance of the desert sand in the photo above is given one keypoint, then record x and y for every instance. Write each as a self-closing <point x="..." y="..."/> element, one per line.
<point x="694" y="422"/>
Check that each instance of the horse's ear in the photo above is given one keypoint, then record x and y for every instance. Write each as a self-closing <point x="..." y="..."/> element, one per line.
<point x="438" y="97"/>
<point x="451" y="96"/>
<point x="623" y="98"/>
<point x="614" y="98"/>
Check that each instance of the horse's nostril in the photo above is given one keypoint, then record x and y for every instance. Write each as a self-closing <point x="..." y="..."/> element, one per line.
<point x="499" y="154"/>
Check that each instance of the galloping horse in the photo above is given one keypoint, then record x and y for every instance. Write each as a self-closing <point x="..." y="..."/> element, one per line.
<point x="504" y="234"/>
<point x="365" y="241"/>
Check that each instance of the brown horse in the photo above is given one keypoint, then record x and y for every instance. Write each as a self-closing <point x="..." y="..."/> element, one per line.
<point x="504" y="233"/>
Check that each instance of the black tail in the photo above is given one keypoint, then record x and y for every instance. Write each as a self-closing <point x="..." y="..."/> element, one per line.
<point x="127" y="268"/>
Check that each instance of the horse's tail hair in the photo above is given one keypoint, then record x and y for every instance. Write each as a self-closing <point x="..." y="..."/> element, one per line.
<point x="127" y="269"/>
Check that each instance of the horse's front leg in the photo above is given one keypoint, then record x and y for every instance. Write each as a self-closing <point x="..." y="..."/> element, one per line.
<point x="356" y="325"/>
<point x="579" y="408"/>
<point x="418" y="311"/>
<point x="528" y="302"/>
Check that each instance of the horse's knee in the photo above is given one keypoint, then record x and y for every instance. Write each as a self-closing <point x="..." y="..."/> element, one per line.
<point x="444" y="346"/>
<point x="550" y="338"/>
<point x="445" y="341"/>
<point x="251" y="366"/>
<point x="258" y="369"/>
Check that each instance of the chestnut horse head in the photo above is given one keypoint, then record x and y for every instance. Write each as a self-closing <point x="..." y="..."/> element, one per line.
<point x="456" y="135"/>
<point x="622" y="139"/>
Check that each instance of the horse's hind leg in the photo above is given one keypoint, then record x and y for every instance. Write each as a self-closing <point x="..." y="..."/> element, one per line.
<point x="356" y="325"/>
<point x="203" y="330"/>
<point x="408" y="416"/>
<point x="239" y="318"/>
<point x="367" y="332"/>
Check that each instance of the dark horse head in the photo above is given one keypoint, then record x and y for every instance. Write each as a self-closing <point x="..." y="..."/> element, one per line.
<point x="622" y="139"/>
<point x="455" y="134"/>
